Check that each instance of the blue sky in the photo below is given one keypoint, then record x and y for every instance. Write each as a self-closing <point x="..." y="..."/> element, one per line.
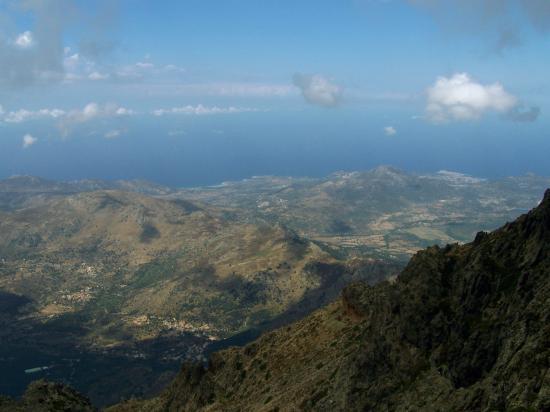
<point x="197" y="92"/>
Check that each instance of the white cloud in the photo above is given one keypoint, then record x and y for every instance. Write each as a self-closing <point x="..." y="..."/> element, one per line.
<point x="91" y="112"/>
<point x="80" y="67"/>
<point x="28" y="141"/>
<point x="113" y="134"/>
<point x="94" y="110"/>
<point x="202" y="110"/>
<point x="87" y="113"/>
<point x="98" y="76"/>
<point x="71" y="61"/>
<point x="318" y="90"/>
<point x="23" y="115"/>
<point x="67" y="120"/>
<point x="390" y="131"/>
<point x="145" y="65"/>
<point x="123" y="111"/>
<point x="24" y="40"/>
<point x="460" y="98"/>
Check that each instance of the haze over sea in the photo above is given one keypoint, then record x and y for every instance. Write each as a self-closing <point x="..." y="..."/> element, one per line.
<point x="212" y="150"/>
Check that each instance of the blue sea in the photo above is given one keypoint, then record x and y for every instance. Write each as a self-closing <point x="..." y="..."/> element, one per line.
<point x="205" y="150"/>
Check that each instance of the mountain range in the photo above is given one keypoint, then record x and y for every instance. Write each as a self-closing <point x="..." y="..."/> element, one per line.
<point x="463" y="327"/>
<point x="135" y="278"/>
<point x="385" y="212"/>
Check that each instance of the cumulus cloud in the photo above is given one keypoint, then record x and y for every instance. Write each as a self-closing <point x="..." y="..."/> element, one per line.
<point x="94" y="110"/>
<point x="28" y="141"/>
<point x="201" y="110"/>
<point x="78" y="67"/>
<point x="24" y="40"/>
<point x="318" y="90"/>
<point x="91" y="112"/>
<point x="390" y="131"/>
<point x="460" y="98"/>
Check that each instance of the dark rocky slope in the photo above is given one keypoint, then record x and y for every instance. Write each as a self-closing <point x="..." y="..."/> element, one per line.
<point x="43" y="396"/>
<point x="462" y="328"/>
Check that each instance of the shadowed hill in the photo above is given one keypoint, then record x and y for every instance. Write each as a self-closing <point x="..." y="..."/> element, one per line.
<point x="463" y="328"/>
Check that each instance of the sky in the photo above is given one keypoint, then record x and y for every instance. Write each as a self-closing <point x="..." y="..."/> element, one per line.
<point x="197" y="92"/>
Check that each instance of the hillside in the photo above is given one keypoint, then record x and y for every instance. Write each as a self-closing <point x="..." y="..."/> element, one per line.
<point x="27" y="191"/>
<point x="384" y="212"/>
<point x="462" y="328"/>
<point x="164" y="258"/>
<point x="150" y="282"/>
